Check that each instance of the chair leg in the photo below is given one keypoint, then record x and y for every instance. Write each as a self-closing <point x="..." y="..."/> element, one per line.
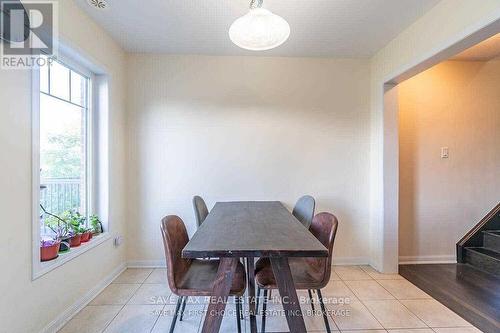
<point x="323" y="310"/>
<point x="264" y="308"/>
<point x="257" y="301"/>
<point x="311" y="298"/>
<point x="238" y="312"/>
<point x="183" y="307"/>
<point x="241" y="308"/>
<point x="174" y="320"/>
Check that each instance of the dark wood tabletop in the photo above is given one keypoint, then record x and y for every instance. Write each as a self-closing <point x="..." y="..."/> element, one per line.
<point x="252" y="229"/>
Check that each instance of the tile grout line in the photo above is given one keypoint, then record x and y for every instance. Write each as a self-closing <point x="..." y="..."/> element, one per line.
<point x="378" y="321"/>
<point x="157" y="318"/>
<point x="399" y="301"/>
<point x="126" y="303"/>
<point x="116" y="315"/>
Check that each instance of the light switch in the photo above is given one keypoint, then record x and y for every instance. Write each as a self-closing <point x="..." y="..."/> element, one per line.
<point x="445" y="153"/>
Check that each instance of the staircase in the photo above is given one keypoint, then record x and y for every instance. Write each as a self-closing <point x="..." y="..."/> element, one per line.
<point x="481" y="246"/>
<point x="486" y="257"/>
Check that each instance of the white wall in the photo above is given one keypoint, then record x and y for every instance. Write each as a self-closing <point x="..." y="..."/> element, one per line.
<point x="26" y="305"/>
<point x="449" y="22"/>
<point x="247" y="128"/>
<point x="454" y="104"/>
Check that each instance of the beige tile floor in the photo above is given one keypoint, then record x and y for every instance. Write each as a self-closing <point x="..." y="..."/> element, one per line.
<point x="359" y="300"/>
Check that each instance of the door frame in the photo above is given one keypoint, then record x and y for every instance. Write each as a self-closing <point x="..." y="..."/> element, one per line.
<point x="390" y="232"/>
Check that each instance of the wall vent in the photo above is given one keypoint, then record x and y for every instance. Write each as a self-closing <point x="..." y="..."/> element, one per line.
<point x="99" y="4"/>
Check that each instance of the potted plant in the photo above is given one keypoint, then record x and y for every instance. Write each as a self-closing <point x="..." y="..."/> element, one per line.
<point x="60" y="228"/>
<point x="49" y="249"/>
<point x="86" y="234"/>
<point x="76" y="224"/>
<point x="96" y="225"/>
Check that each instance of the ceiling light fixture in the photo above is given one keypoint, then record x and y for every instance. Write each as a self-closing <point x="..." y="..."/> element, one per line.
<point x="259" y="29"/>
<point x="99" y="4"/>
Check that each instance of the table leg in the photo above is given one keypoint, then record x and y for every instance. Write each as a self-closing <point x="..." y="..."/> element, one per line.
<point x="251" y="294"/>
<point x="221" y="289"/>
<point x="291" y="305"/>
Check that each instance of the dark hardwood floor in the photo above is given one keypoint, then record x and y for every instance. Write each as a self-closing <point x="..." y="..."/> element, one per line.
<point x="470" y="292"/>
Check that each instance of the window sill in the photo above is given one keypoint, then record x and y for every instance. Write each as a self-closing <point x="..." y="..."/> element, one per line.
<point x="44" y="267"/>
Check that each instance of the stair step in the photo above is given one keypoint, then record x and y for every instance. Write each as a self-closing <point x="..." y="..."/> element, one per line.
<point x="492" y="240"/>
<point x="484" y="259"/>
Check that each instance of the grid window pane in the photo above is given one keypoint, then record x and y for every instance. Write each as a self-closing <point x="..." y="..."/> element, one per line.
<point x="59" y="80"/>
<point x="44" y="76"/>
<point x="78" y="89"/>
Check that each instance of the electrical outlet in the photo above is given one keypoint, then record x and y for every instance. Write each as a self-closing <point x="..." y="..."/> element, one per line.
<point x="118" y="241"/>
<point x="445" y="152"/>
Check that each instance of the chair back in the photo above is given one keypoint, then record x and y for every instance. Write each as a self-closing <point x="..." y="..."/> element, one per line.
<point x="175" y="238"/>
<point x="304" y="210"/>
<point x="200" y="209"/>
<point x="324" y="228"/>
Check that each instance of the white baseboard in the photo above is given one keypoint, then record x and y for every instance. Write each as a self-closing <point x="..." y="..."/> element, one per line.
<point x="441" y="259"/>
<point x="347" y="261"/>
<point x="350" y="261"/>
<point x="147" y="264"/>
<point x="71" y="311"/>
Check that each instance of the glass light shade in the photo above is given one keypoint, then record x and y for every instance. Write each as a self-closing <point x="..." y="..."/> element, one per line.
<point x="259" y="30"/>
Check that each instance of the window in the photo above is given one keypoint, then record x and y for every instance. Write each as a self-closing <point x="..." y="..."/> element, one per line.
<point x="65" y="139"/>
<point x="70" y="162"/>
<point x="65" y="157"/>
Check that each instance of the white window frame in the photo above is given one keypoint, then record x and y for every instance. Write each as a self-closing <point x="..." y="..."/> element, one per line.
<point x="92" y="191"/>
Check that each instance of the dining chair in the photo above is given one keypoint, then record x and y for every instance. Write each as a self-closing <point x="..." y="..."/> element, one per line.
<point x="304" y="210"/>
<point x="193" y="277"/>
<point x="200" y="209"/>
<point x="308" y="273"/>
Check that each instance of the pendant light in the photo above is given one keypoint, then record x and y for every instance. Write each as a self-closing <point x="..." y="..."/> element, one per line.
<point x="259" y="29"/>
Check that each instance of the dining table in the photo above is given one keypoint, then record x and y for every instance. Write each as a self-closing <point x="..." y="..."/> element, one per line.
<point x="247" y="230"/>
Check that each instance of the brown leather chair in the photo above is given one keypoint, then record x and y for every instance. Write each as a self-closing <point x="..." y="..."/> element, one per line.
<point x="308" y="273"/>
<point x="193" y="277"/>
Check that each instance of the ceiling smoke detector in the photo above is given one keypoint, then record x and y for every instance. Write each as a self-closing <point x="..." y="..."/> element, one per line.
<point x="99" y="4"/>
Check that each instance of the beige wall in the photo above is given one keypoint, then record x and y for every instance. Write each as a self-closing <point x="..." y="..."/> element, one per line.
<point x="26" y="305"/>
<point x="456" y="105"/>
<point x="247" y="128"/>
<point x="447" y="23"/>
<point x="314" y="112"/>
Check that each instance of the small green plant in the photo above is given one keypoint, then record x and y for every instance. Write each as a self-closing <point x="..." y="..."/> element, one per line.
<point x="76" y="221"/>
<point x="96" y="224"/>
<point x="70" y="223"/>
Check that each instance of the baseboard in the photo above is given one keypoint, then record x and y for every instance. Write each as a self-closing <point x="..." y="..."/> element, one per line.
<point x="146" y="264"/>
<point x="347" y="261"/>
<point x="71" y="311"/>
<point x="350" y="261"/>
<point x="441" y="259"/>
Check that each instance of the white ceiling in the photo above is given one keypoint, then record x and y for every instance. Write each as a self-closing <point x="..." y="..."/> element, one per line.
<point x="484" y="51"/>
<point x="333" y="28"/>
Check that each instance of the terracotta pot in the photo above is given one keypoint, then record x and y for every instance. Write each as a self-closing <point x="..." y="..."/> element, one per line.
<point x="86" y="236"/>
<point x="91" y="235"/>
<point x="75" y="240"/>
<point x="49" y="252"/>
